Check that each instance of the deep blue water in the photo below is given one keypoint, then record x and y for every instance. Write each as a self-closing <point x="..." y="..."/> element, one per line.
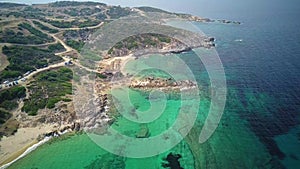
<point x="264" y="70"/>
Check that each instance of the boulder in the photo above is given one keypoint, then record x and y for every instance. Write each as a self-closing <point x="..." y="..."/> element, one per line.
<point x="143" y="132"/>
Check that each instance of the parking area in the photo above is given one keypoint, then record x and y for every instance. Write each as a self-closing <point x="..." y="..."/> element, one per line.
<point x="22" y="79"/>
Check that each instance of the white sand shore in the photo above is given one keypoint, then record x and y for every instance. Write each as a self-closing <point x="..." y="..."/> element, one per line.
<point x="124" y="61"/>
<point x="13" y="146"/>
<point x="27" y="151"/>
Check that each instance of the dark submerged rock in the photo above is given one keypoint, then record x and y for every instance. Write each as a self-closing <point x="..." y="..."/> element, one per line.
<point x="173" y="161"/>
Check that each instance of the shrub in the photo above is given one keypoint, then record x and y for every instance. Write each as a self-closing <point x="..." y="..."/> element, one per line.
<point x="48" y="89"/>
<point x="52" y="101"/>
<point x="4" y="115"/>
<point x="43" y="27"/>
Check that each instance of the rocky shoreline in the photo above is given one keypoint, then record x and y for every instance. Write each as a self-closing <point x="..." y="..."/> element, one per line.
<point x="75" y="127"/>
<point x="224" y="21"/>
<point x="169" y="84"/>
<point x="174" y="47"/>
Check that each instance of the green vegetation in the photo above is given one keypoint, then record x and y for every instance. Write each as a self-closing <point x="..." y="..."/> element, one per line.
<point x="116" y="12"/>
<point x="12" y="93"/>
<point x="32" y="9"/>
<point x="71" y="24"/>
<point x="36" y="32"/>
<point x="74" y="3"/>
<point x="78" y="45"/>
<point x="23" y="59"/>
<point x="10" y="36"/>
<point x="101" y="76"/>
<point x="15" y="14"/>
<point x="60" y="24"/>
<point x="164" y="39"/>
<point x="87" y="23"/>
<point x="28" y="12"/>
<point x="151" y="9"/>
<point x="144" y="41"/>
<point x="48" y="89"/>
<point x="54" y="48"/>
<point x="4" y="116"/>
<point x="36" y="37"/>
<point x="9" y="105"/>
<point x="81" y="12"/>
<point x="101" y="16"/>
<point x="8" y="74"/>
<point x="8" y="100"/>
<point x="10" y="5"/>
<point x="43" y="27"/>
<point x="76" y="38"/>
<point x="110" y="51"/>
<point x="52" y="101"/>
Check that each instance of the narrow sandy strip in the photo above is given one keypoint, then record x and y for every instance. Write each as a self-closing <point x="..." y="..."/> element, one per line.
<point x="27" y="151"/>
<point x="123" y="61"/>
<point x="13" y="147"/>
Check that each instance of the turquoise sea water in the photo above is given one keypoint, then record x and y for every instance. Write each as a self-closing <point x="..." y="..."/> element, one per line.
<point x="260" y="124"/>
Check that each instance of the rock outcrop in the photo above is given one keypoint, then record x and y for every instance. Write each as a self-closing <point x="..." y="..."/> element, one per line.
<point x="161" y="83"/>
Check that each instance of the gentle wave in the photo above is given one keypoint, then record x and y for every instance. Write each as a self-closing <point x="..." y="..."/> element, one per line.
<point x="28" y="150"/>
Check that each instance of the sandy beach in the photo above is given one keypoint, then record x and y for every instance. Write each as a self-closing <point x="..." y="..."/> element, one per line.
<point x="13" y="146"/>
<point x="117" y="63"/>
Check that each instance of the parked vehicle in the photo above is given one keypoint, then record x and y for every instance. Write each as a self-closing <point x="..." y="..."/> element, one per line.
<point x="68" y="63"/>
<point x="27" y="73"/>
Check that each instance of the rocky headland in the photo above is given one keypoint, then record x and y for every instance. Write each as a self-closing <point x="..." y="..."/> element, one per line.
<point x="165" y="84"/>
